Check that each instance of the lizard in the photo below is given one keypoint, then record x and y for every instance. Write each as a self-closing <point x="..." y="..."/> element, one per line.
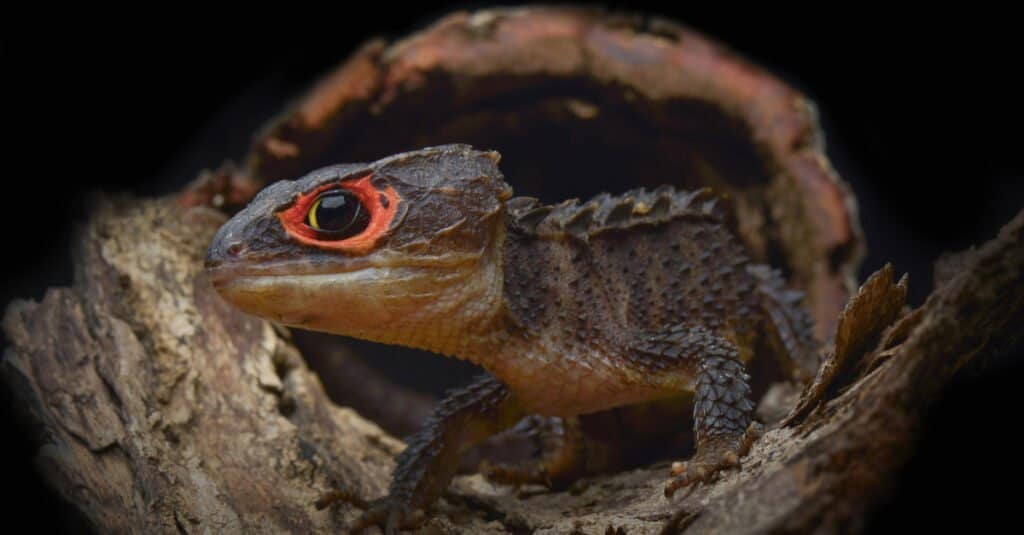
<point x="571" y="309"/>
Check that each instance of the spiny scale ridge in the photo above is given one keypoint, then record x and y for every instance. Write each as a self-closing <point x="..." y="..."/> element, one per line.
<point x="607" y="212"/>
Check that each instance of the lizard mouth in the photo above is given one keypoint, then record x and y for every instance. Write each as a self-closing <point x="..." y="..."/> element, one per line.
<point x="318" y="301"/>
<point x="224" y="273"/>
<point x="259" y="282"/>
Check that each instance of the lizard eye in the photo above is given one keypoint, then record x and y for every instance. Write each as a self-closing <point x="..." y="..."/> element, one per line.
<point x="337" y="214"/>
<point x="348" y="216"/>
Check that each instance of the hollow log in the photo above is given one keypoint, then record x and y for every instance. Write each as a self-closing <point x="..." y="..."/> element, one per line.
<point x="158" y="408"/>
<point x="162" y="409"/>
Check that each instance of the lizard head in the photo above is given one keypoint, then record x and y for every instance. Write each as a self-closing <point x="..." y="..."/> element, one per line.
<point x="379" y="251"/>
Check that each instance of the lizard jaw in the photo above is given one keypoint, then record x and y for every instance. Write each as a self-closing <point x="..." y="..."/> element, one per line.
<point x="404" y="305"/>
<point x="319" y="301"/>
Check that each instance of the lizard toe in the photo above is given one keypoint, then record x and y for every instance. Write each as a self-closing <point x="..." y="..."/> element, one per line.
<point x="687" y="474"/>
<point x="704" y="466"/>
<point x="719" y="454"/>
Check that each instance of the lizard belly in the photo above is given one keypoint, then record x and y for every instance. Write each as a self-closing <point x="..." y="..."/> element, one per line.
<point x="560" y="381"/>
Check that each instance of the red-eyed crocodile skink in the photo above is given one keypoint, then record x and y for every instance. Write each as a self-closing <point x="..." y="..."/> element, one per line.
<point x="572" y="308"/>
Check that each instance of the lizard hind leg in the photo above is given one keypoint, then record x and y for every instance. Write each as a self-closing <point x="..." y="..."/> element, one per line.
<point x="559" y="460"/>
<point x="722" y="410"/>
<point x="722" y="414"/>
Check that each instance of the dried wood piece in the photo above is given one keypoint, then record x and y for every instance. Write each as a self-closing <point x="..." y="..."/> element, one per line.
<point x="874" y="308"/>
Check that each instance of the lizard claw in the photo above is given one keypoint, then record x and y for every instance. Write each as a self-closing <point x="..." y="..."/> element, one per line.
<point x="712" y="459"/>
<point x="689" y="473"/>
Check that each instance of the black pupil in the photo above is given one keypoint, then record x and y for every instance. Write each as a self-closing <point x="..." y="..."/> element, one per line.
<point x="340" y="215"/>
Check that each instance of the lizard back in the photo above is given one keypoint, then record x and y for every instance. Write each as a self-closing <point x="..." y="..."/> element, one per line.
<point x="600" y="286"/>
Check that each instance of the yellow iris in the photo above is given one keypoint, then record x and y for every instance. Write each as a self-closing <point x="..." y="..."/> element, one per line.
<point x="312" y="212"/>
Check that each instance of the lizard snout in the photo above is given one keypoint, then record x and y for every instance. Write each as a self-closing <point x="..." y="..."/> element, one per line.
<point x="226" y="253"/>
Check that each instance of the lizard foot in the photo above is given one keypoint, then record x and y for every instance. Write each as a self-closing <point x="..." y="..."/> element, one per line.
<point x="389" y="514"/>
<point x="560" y="459"/>
<point x="718" y="454"/>
<point x="698" y="470"/>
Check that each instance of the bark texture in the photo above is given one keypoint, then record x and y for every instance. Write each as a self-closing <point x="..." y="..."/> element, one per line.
<point x="159" y="408"/>
<point x="162" y="409"/>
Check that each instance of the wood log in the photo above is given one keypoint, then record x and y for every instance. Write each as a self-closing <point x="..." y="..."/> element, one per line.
<point x="159" y="408"/>
<point x="162" y="409"/>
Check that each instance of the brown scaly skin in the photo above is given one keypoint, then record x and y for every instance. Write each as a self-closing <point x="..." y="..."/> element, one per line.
<point x="572" y="308"/>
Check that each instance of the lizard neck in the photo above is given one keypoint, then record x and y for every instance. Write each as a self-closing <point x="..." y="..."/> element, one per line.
<point x="459" y="312"/>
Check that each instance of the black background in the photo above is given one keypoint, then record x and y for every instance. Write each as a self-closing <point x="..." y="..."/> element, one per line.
<point x="921" y="113"/>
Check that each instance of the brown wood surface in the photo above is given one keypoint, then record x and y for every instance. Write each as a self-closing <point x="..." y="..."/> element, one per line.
<point x="163" y="409"/>
<point x="159" y="408"/>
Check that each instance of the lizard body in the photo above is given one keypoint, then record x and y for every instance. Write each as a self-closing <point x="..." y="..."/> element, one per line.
<point x="572" y="308"/>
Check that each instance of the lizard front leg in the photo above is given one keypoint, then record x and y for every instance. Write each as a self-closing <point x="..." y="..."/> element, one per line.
<point x="722" y="411"/>
<point x="424" y="469"/>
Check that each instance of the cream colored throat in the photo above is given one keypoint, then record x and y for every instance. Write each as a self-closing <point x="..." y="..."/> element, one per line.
<point x="449" y="311"/>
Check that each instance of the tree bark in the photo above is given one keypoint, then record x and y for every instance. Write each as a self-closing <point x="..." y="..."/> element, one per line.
<point x="162" y="409"/>
<point x="159" y="408"/>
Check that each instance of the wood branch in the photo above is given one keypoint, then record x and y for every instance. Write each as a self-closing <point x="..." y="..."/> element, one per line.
<point x="162" y="409"/>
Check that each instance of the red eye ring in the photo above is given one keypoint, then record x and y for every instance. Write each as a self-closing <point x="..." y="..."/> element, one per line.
<point x="381" y="205"/>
